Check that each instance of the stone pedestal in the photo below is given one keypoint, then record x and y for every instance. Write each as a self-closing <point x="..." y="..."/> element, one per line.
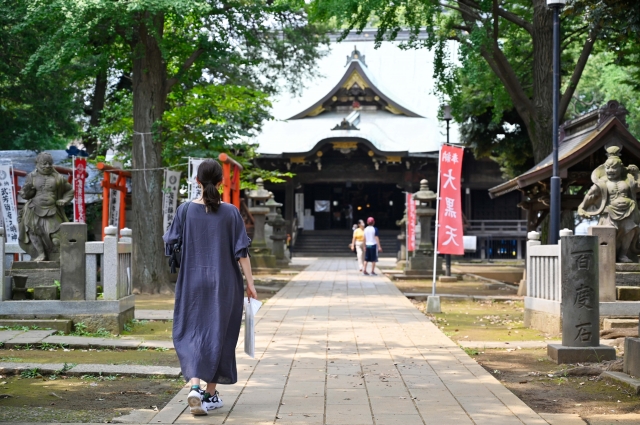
<point x="278" y="237"/>
<point x="40" y="273"/>
<point x="261" y="256"/>
<point x="607" y="254"/>
<point x="422" y="261"/>
<point x="73" y="264"/>
<point x="402" y="254"/>
<point x="580" y="304"/>
<point x="632" y="357"/>
<point x="433" y="304"/>
<point x="45" y="293"/>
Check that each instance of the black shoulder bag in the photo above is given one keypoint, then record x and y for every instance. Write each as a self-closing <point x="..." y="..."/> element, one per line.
<point x="176" y="249"/>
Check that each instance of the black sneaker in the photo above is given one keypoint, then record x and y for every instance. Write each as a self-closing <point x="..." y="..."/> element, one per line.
<point x="211" y="402"/>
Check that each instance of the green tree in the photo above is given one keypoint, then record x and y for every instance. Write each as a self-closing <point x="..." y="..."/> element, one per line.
<point x="36" y="112"/>
<point x="511" y="39"/>
<point x="175" y="45"/>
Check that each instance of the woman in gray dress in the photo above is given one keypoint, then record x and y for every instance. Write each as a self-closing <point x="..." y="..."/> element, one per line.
<point x="209" y="291"/>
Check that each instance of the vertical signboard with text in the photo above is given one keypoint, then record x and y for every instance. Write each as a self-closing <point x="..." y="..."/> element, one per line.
<point x="79" y="177"/>
<point x="450" y="232"/>
<point x="411" y="223"/>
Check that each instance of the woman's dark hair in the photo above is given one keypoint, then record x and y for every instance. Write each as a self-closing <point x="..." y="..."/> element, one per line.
<point x="209" y="175"/>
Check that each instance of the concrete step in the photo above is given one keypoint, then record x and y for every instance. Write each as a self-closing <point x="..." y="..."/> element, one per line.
<point x="56" y="324"/>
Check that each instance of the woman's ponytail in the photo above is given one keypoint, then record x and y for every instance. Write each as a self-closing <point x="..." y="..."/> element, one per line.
<point x="209" y="175"/>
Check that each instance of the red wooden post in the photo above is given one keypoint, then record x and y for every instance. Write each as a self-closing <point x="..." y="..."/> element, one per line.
<point x="231" y="187"/>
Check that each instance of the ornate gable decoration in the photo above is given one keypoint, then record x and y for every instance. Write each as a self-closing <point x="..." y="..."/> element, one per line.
<point x="356" y="90"/>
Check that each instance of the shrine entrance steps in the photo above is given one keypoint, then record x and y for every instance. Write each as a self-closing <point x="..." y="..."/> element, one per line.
<point x="335" y="243"/>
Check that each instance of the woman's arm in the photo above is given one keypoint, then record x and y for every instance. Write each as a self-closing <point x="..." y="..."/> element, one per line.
<point x="353" y="242"/>
<point x="245" y="264"/>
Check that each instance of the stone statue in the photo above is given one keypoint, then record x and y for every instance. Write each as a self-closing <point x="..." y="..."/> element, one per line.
<point x="46" y="193"/>
<point x="613" y="198"/>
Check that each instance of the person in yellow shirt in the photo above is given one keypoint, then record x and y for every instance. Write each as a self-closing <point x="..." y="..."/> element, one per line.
<point x="357" y="244"/>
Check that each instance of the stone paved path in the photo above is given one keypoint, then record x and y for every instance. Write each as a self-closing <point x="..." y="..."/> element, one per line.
<point x="335" y="347"/>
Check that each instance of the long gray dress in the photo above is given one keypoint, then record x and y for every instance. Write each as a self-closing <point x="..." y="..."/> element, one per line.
<point x="209" y="292"/>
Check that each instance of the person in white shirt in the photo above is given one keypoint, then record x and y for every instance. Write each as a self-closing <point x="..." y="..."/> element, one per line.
<point x="372" y="246"/>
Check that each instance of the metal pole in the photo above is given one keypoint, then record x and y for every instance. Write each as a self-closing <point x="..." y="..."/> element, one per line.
<point x="447" y="257"/>
<point x="435" y="238"/>
<point x="554" y="228"/>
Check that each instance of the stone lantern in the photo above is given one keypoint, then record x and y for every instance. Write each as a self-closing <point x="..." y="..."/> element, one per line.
<point x="272" y="205"/>
<point x="422" y="261"/>
<point x="279" y="236"/>
<point x="261" y="256"/>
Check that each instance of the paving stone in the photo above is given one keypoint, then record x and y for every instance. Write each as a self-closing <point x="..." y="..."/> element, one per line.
<point x="29" y="337"/>
<point x="12" y="368"/>
<point x="154" y="314"/>
<point x="142" y="416"/>
<point x="91" y="342"/>
<point x="130" y="370"/>
<point x="7" y="335"/>
<point x="338" y="348"/>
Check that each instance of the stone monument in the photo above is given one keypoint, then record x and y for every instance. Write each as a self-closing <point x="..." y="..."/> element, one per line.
<point x="580" y="304"/>
<point x="46" y="193"/>
<point x="261" y="256"/>
<point x="421" y="263"/>
<point x="402" y="239"/>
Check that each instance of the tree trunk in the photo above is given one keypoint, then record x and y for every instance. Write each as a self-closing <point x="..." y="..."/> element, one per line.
<point x="150" y="274"/>
<point x="540" y="128"/>
<point x="97" y="105"/>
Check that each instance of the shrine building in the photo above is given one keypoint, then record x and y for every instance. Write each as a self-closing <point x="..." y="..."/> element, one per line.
<point x="361" y="138"/>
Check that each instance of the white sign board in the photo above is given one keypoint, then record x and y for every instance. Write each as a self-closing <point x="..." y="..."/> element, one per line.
<point x="194" y="189"/>
<point x="170" y="199"/>
<point x="470" y="243"/>
<point x="7" y="199"/>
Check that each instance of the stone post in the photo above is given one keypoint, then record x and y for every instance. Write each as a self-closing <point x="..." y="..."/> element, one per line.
<point x="110" y="264"/>
<point x="279" y="236"/>
<point x="533" y="239"/>
<point x="261" y="256"/>
<point x="73" y="264"/>
<point x="422" y="261"/>
<point x="607" y="252"/>
<point x="579" y="268"/>
<point x="5" y="282"/>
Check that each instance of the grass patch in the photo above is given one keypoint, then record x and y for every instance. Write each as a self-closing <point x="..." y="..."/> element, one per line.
<point x="464" y="320"/>
<point x="149" y="330"/>
<point x="80" y="329"/>
<point x="93" y="356"/>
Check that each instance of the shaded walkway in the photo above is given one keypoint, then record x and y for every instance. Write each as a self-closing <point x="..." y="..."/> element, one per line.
<point x="336" y="347"/>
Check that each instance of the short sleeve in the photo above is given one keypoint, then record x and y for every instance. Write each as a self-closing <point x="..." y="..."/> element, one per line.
<point x="376" y="231"/>
<point x="242" y="241"/>
<point x="173" y="234"/>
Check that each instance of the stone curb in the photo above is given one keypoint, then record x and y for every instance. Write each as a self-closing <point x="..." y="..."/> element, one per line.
<point x="506" y="345"/>
<point x="12" y="339"/>
<point x="465" y="297"/>
<point x="94" y="369"/>
<point x="624" y="379"/>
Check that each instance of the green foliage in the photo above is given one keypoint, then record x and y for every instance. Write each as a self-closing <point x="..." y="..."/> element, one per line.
<point x="80" y="329"/>
<point x="36" y="111"/>
<point x="604" y="80"/>
<point x="30" y="373"/>
<point x="492" y="59"/>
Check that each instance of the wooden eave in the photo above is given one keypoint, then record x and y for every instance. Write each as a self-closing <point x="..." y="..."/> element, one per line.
<point x="322" y="143"/>
<point x="591" y="144"/>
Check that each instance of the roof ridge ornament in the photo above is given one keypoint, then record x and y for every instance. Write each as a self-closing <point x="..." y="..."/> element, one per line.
<point x="613" y="108"/>
<point x="355" y="56"/>
<point x="349" y="122"/>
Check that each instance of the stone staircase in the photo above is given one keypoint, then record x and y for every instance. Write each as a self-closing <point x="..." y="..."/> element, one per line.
<point x="335" y="243"/>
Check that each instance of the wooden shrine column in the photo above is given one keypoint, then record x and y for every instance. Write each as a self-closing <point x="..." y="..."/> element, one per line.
<point x="289" y="204"/>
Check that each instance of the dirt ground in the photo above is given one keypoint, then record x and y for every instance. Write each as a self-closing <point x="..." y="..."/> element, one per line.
<point x="80" y="399"/>
<point x="524" y="371"/>
<point x="461" y="287"/>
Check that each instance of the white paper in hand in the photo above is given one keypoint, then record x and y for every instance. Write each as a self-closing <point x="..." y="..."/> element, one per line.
<point x="251" y="307"/>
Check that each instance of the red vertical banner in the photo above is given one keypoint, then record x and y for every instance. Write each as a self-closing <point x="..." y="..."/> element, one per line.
<point x="450" y="240"/>
<point x="411" y="223"/>
<point x="79" y="176"/>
